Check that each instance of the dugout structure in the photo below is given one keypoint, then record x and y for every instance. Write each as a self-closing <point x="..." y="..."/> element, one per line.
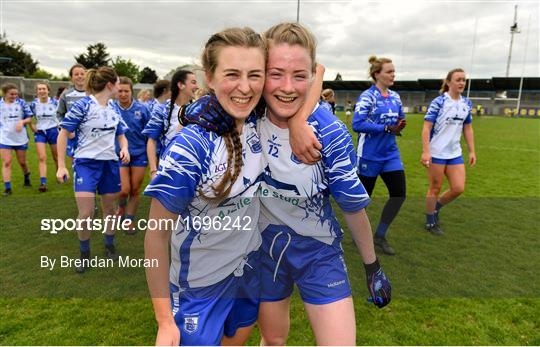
<point x="496" y="95"/>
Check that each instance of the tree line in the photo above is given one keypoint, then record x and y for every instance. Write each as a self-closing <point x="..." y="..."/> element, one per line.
<point x="21" y="63"/>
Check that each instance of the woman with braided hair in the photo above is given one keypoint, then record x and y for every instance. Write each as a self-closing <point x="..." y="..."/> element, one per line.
<point x="164" y="123"/>
<point x="206" y="183"/>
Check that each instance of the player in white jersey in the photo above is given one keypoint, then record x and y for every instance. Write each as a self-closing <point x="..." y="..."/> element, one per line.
<point x="74" y="93"/>
<point x="164" y="122"/>
<point x="210" y="289"/>
<point x="448" y="116"/>
<point x="14" y="115"/>
<point x="45" y="130"/>
<point x="301" y="235"/>
<point x="95" y="165"/>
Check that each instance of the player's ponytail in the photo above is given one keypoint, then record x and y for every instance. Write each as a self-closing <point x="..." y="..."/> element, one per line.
<point x="179" y="76"/>
<point x="96" y="79"/>
<point x="444" y="86"/>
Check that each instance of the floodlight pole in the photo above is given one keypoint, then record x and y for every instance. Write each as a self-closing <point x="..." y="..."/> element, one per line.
<point x="472" y="57"/>
<point x="298" y="11"/>
<point x="513" y="30"/>
<point x="523" y="65"/>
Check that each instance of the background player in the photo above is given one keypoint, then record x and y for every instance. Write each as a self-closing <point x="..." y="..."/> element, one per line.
<point x="378" y="118"/>
<point x="448" y="116"/>
<point x="164" y="122"/>
<point x="73" y="93"/>
<point x="45" y="130"/>
<point x="14" y="115"/>
<point x="135" y="115"/>
<point x="95" y="164"/>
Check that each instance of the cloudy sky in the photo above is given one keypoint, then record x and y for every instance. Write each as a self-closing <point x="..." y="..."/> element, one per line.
<point x="425" y="39"/>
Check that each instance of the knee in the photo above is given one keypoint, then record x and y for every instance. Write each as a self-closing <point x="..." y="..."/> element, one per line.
<point x="135" y="191"/>
<point x="6" y="163"/>
<point x="273" y="340"/>
<point x="42" y="159"/>
<point x="458" y="190"/>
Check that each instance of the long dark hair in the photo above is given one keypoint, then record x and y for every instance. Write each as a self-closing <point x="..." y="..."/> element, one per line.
<point x="179" y="76"/>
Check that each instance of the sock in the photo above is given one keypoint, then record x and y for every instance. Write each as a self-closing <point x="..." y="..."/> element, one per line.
<point x="27" y="178"/>
<point x="438" y="206"/>
<point x="130" y="217"/>
<point x="43" y="180"/>
<point x="7" y="185"/>
<point x="381" y="230"/>
<point x="84" y="245"/>
<point x="430" y="219"/>
<point x="109" y="240"/>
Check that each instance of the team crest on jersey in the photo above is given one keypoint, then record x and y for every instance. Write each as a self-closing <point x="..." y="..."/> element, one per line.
<point x="254" y="143"/>
<point x="137" y="114"/>
<point x="191" y="324"/>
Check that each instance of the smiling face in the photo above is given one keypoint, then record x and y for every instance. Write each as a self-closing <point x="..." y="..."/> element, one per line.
<point x="238" y="80"/>
<point x="457" y="82"/>
<point x="190" y="87"/>
<point x="287" y="83"/>
<point x="42" y="90"/>
<point x="77" y="77"/>
<point x="386" y="76"/>
<point x="11" y="95"/>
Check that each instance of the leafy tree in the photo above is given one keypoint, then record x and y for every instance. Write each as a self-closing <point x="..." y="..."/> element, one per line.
<point x="96" y="55"/>
<point x="148" y="75"/>
<point x="42" y="74"/>
<point x="21" y="63"/>
<point x="125" y="67"/>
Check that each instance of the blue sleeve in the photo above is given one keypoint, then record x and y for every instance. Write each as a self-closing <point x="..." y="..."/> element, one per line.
<point x="75" y="115"/>
<point x="468" y="119"/>
<point x="339" y="160"/>
<point x="154" y="127"/>
<point x="33" y="107"/>
<point x="180" y="170"/>
<point x="27" y="112"/>
<point x="121" y="128"/>
<point x="360" y="122"/>
<point x="433" y="110"/>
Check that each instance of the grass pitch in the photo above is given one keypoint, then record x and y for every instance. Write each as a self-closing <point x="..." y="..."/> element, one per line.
<point x="477" y="285"/>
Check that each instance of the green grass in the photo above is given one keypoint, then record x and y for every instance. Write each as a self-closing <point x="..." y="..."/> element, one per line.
<point x="477" y="285"/>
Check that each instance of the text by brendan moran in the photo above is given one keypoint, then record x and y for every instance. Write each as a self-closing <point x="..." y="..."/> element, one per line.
<point x="123" y="262"/>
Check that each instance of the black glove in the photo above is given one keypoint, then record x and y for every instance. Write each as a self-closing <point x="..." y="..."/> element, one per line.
<point x="379" y="286"/>
<point x="208" y="113"/>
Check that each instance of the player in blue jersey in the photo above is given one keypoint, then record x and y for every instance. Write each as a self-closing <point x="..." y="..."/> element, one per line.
<point x="74" y="93"/>
<point x="135" y="115"/>
<point x="45" y="130"/>
<point x="14" y="115"/>
<point x="213" y="274"/>
<point x="301" y="235"/>
<point x="95" y="166"/>
<point x="162" y="92"/>
<point x="448" y="116"/>
<point x="378" y="118"/>
<point x="164" y="122"/>
<point x="328" y="100"/>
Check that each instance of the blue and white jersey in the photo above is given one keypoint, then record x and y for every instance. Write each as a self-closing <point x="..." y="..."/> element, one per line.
<point x="372" y="113"/>
<point x="67" y="99"/>
<point x="135" y="116"/>
<point x="448" y="117"/>
<point x="10" y="115"/>
<point x="326" y="106"/>
<point x="150" y="104"/>
<point x="195" y="161"/>
<point x="298" y="195"/>
<point x="159" y="127"/>
<point x="96" y="128"/>
<point x="45" y="113"/>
